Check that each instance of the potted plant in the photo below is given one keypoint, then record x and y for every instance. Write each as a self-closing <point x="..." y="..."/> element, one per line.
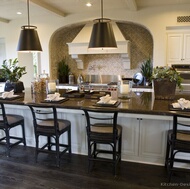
<point x="165" y="80"/>
<point x="12" y="73"/>
<point x="146" y="70"/>
<point x="63" y="71"/>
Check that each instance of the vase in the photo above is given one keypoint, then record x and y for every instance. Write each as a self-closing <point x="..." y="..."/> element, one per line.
<point x="18" y="86"/>
<point x="64" y="79"/>
<point x="164" y="89"/>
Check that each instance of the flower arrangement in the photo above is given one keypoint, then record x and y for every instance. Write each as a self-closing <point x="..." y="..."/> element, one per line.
<point x="166" y="72"/>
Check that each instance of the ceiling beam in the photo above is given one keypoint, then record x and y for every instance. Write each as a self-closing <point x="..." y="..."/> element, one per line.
<point x="4" y="20"/>
<point x="49" y="7"/>
<point x="131" y="4"/>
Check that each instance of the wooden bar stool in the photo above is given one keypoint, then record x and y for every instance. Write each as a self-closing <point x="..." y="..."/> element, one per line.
<point x="7" y="122"/>
<point x="102" y="129"/>
<point x="178" y="145"/>
<point x="46" y="124"/>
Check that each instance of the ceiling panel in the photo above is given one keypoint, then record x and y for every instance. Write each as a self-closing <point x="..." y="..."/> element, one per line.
<point x="8" y="8"/>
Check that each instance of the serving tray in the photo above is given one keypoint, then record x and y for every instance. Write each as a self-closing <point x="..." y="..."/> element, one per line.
<point x="73" y="94"/>
<point x="10" y="98"/>
<point x="171" y="108"/>
<point x="107" y="104"/>
<point x="62" y="99"/>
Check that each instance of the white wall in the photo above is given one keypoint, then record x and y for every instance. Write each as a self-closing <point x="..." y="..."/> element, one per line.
<point x="154" y="19"/>
<point x="2" y="50"/>
<point x="26" y="59"/>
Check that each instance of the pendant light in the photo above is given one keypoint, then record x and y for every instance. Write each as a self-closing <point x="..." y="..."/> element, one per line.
<point x="29" y="40"/>
<point x="102" y="35"/>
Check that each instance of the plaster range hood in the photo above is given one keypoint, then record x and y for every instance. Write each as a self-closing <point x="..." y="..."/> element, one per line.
<point x="78" y="48"/>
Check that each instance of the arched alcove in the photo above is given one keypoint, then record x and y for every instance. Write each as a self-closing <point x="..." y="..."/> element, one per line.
<point x="107" y="64"/>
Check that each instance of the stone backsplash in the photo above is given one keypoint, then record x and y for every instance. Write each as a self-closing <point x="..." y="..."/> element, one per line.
<point x="108" y="64"/>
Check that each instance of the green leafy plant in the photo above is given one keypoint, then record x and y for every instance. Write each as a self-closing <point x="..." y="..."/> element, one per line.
<point x="164" y="72"/>
<point x="146" y="69"/>
<point x="11" y="71"/>
<point x="63" y="68"/>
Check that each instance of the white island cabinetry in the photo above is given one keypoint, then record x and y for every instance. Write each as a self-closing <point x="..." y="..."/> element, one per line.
<point x="144" y="136"/>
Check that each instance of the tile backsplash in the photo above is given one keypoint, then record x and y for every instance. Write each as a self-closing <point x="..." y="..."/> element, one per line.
<point x="108" y="64"/>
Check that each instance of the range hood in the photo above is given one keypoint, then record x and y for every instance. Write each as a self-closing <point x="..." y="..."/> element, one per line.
<point x="78" y="48"/>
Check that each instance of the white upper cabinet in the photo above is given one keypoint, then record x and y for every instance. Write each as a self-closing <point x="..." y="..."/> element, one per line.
<point x="178" y="48"/>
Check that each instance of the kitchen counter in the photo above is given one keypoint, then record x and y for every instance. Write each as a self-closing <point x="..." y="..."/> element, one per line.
<point x="140" y="102"/>
<point x="145" y="122"/>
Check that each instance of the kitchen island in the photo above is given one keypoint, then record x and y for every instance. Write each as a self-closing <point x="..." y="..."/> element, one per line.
<point x="144" y="120"/>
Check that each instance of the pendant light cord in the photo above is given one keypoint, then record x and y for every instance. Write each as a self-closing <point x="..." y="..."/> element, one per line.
<point x="28" y="13"/>
<point x="102" y="9"/>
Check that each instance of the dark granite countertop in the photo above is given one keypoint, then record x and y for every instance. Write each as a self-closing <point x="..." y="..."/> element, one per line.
<point x="140" y="103"/>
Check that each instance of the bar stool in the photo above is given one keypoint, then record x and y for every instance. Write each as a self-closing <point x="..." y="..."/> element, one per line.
<point x="46" y="124"/>
<point x="102" y="129"/>
<point x="7" y="122"/>
<point x="178" y="144"/>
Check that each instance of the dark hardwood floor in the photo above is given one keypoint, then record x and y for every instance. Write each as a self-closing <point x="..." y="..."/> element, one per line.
<point x="21" y="172"/>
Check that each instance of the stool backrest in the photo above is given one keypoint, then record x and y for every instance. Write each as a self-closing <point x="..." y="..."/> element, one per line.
<point x="181" y="128"/>
<point x="44" y="118"/>
<point x="96" y="118"/>
<point x="3" y="117"/>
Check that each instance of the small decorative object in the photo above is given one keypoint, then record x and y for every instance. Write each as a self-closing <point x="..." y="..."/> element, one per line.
<point x="51" y="86"/>
<point x="80" y="79"/>
<point x="124" y="88"/>
<point x="71" y="78"/>
<point x="146" y="70"/>
<point x="37" y="86"/>
<point x="63" y="71"/>
<point x="12" y="73"/>
<point x="165" y="80"/>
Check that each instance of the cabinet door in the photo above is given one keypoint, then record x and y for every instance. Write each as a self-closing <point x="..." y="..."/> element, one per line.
<point x="174" y="48"/>
<point x="153" y="138"/>
<point x="186" y="48"/>
<point x="78" y="130"/>
<point x="130" y="138"/>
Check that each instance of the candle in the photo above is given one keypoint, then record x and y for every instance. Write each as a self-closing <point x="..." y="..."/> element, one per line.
<point x="124" y="89"/>
<point x="52" y="87"/>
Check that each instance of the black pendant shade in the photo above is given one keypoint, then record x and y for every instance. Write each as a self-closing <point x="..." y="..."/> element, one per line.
<point x="102" y="36"/>
<point x="29" y="40"/>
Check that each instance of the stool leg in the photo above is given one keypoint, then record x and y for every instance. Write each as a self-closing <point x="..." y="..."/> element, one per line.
<point x="37" y="146"/>
<point x="119" y="147"/>
<point x="49" y="143"/>
<point x="57" y="151"/>
<point x="167" y="155"/>
<point x="23" y="134"/>
<point x="69" y="140"/>
<point x="94" y="151"/>
<point x="7" y="142"/>
<point x="89" y="155"/>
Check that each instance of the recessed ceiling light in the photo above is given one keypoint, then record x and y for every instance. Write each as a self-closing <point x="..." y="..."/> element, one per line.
<point x="89" y="4"/>
<point x="19" y="12"/>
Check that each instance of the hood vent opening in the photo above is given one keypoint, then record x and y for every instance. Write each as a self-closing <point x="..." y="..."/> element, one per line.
<point x="78" y="48"/>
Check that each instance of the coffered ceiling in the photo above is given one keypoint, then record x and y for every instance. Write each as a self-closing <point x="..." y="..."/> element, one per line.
<point x="62" y="8"/>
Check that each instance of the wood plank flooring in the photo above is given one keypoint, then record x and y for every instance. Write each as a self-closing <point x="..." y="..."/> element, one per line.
<point x="21" y="172"/>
